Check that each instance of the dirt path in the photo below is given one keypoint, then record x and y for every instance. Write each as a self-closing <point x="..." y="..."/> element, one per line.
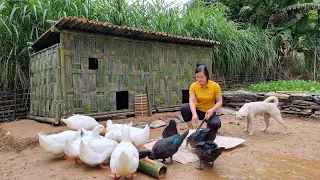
<point x="265" y="155"/>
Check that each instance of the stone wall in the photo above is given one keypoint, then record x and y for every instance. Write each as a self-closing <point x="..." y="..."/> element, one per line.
<point x="299" y="103"/>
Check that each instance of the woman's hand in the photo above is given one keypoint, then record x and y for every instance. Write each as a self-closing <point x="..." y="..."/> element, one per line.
<point x="195" y="118"/>
<point x="209" y="113"/>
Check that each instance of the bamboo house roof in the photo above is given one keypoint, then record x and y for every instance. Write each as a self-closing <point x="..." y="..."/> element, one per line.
<point x="51" y="36"/>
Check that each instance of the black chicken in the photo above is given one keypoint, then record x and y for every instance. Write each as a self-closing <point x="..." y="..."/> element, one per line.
<point x="208" y="152"/>
<point x="165" y="148"/>
<point x="170" y="130"/>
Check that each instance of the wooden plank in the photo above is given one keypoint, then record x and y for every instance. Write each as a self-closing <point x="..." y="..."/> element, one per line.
<point x="141" y="105"/>
<point x="140" y="101"/>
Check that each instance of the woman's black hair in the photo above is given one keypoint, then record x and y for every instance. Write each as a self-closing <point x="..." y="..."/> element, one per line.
<point x="204" y="69"/>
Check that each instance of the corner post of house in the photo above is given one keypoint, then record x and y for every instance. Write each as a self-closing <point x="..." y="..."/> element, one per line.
<point x="62" y="111"/>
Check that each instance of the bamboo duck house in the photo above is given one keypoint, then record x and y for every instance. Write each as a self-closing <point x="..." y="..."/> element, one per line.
<point x="94" y="68"/>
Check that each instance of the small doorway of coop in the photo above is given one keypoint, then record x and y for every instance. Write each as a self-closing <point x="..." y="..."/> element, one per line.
<point x="122" y="100"/>
<point x="141" y="104"/>
<point x="93" y="63"/>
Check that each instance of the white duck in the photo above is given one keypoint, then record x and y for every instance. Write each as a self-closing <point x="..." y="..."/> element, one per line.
<point x="115" y="135"/>
<point x="138" y="136"/>
<point x="96" y="151"/>
<point x="72" y="148"/>
<point x="78" y="121"/>
<point x="54" y="144"/>
<point x="111" y="127"/>
<point x="125" y="157"/>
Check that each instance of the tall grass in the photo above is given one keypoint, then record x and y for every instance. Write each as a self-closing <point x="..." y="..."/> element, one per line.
<point x="25" y="21"/>
<point x="242" y="49"/>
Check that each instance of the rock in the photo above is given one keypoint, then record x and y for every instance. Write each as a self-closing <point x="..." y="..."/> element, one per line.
<point x="295" y="109"/>
<point x="283" y="104"/>
<point x="278" y="95"/>
<point x="317" y="112"/>
<point x="297" y="112"/>
<point x="118" y="117"/>
<point x="139" y="124"/>
<point x="307" y="107"/>
<point x="301" y="96"/>
<point x="301" y="102"/>
<point x="316" y="99"/>
<point x="245" y="96"/>
<point x="234" y="104"/>
<point x="177" y="121"/>
<point x="315" y="116"/>
<point x="157" y="123"/>
<point x="261" y="94"/>
<point x="180" y="118"/>
<point x="224" y="111"/>
<point x="167" y="120"/>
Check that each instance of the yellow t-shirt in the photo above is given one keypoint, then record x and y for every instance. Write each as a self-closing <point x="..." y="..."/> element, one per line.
<point x="205" y="96"/>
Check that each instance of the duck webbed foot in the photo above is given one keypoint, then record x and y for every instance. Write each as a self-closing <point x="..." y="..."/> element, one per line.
<point x="66" y="157"/>
<point x="104" y="166"/>
<point x="115" y="176"/>
<point x="78" y="161"/>
<point x="131" y="176"/>
<point x="199" y="166"/>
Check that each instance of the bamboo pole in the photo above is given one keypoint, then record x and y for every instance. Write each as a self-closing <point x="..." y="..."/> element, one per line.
<point x="62" y="77"/>
<point x="155" y="169"/>
<point x="44" y="119"/>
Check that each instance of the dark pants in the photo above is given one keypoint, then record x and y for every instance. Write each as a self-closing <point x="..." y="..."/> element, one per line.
<point x="213" y="122"/>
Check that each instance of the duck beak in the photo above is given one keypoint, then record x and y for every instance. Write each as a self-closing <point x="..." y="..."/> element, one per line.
<point x="105" y="130"/>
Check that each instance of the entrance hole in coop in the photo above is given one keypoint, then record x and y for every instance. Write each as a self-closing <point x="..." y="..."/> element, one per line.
<point x="122" y="98"/>
<point x="93" y="63"/>
<point x="185" y="96"/>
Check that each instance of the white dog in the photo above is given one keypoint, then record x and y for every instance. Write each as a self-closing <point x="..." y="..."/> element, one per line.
<point x="267" y="108"/>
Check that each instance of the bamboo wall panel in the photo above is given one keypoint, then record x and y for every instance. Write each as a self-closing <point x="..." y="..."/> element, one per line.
<point x="45" y="82"/>
<point x="173" y="71"/>
<point x="123" y="65"/>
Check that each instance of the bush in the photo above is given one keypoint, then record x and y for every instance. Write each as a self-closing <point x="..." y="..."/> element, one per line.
<point x="295" y="85"/>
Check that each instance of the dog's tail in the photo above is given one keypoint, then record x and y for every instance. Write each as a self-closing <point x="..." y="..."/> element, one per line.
<point x="272" y="99"/>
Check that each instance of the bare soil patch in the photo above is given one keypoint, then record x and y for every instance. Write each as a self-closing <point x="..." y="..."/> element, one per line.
<point x="265" y="155"/>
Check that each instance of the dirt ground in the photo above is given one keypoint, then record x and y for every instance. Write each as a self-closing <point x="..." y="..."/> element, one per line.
<point x="265" y="155"/>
